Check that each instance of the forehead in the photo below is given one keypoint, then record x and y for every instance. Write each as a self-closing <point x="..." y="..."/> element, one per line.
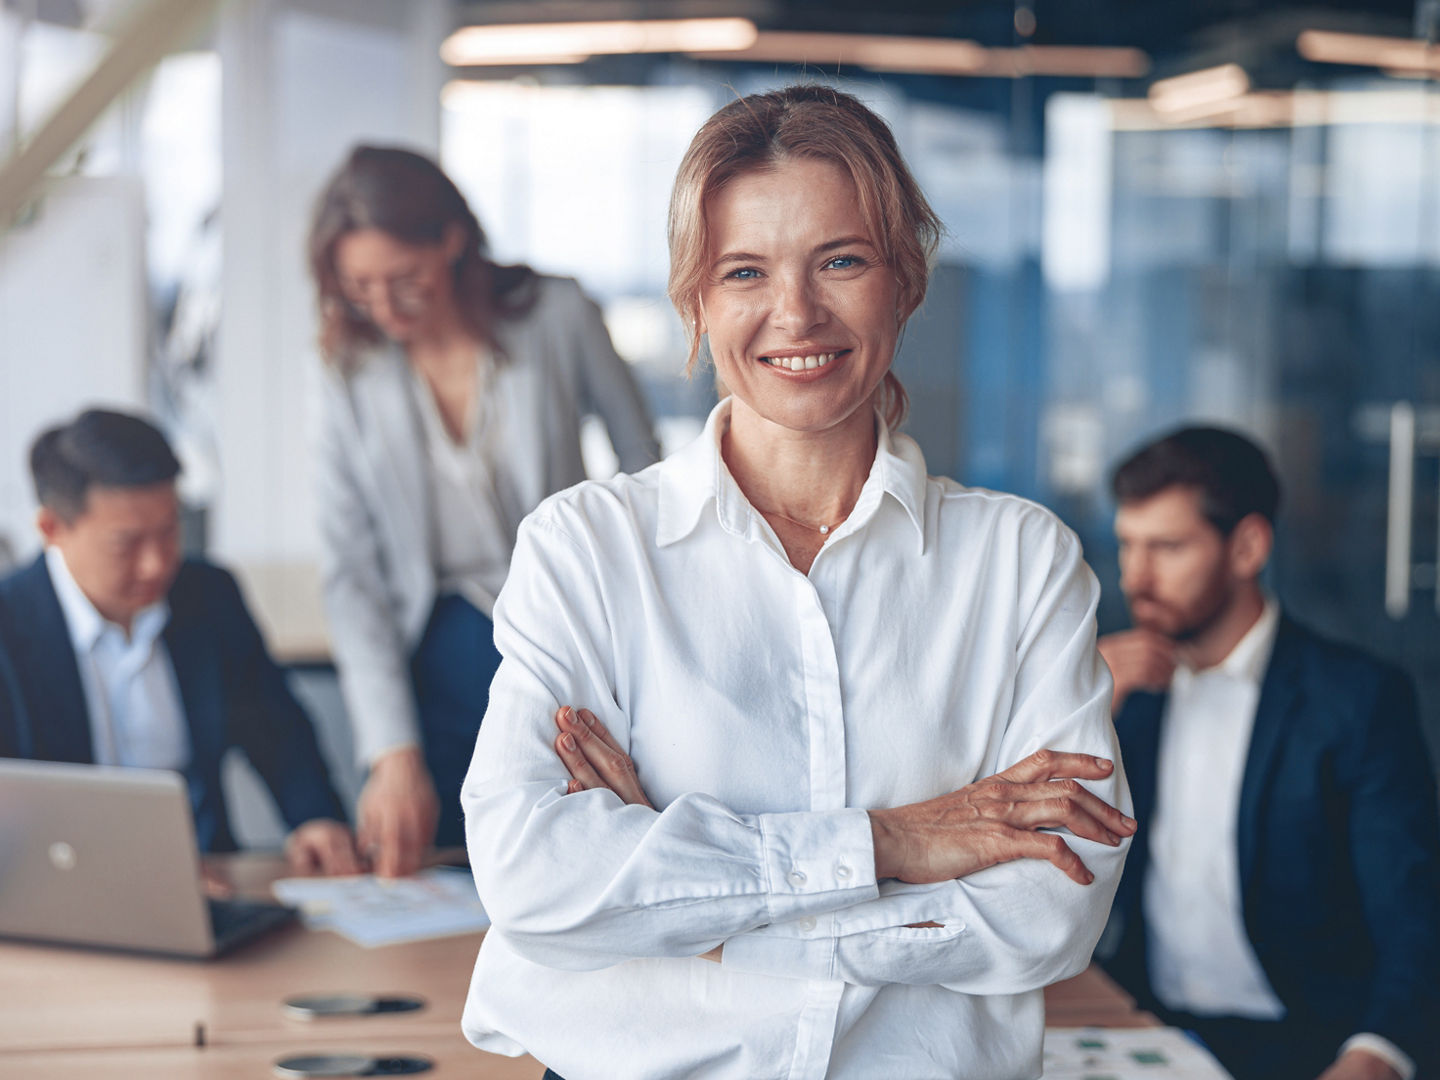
<point x="1173" y="511"/>
<point x="797" y="200"/>
<point x="138" y="509"/>
<point x="374" y="251"/>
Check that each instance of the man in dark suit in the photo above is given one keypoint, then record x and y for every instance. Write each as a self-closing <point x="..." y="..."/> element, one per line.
<point x="114" y="650"/>
<point x="1282" y="896"/>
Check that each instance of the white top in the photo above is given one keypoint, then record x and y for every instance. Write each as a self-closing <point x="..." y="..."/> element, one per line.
<point x="941" y="635"/>
<point x="1198" y="949"/>
<point x="476" y="515"/>
<point x="136" y="717"/>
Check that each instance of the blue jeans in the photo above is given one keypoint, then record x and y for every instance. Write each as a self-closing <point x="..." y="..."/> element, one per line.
<point x="451" y="672"/>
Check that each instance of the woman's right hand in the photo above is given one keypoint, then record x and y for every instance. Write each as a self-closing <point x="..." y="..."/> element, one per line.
<point x="397" y="813"/>
<point x="998" y="819"/>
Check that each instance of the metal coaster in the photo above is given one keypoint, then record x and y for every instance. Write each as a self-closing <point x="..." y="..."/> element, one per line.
<point x="314" y="1006"/>
<point x="303" y="1066"/>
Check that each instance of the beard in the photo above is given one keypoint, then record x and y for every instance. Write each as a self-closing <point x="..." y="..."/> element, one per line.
<point x="1183" y="623"/>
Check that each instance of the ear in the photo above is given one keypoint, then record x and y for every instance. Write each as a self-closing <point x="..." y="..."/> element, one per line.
<point x="452" y="241"/>
<point x="51" y="525"/>
<point x="1250" y="545"/>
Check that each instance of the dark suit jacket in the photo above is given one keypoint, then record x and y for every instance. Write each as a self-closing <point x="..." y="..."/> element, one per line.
<point x="1338" y="840"/>
<point x="231" y="692"/>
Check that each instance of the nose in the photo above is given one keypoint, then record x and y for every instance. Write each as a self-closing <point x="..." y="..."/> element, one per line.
<point x="154" y="563"/>
<point x="798" y="308"/>
<point x="1135" y="571"/>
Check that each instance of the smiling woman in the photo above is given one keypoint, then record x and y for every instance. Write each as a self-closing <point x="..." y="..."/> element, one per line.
<point x="827" y="815"/>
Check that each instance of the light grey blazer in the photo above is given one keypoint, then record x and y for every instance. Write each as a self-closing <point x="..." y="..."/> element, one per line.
<point x="373" y="489"/>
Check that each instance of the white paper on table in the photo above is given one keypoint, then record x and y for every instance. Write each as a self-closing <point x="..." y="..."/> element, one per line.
<point x="1093" y="1053"/>
<point x="373" y="911"/>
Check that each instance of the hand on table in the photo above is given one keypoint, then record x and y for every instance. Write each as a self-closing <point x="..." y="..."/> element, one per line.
<point x="1359" y="1065"/>
<point x="322" y="846"/>
<point x="397" y="813"/>
<point x="997" y="819"/>
<point x="1138" y="660"/>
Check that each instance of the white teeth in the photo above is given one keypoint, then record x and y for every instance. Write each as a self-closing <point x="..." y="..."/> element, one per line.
<point x="800" y="363"/>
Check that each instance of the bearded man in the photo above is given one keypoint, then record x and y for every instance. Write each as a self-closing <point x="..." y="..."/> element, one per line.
<point x="1282" y="895"/>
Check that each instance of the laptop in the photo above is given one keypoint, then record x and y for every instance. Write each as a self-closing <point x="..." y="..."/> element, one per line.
<point x="105" y="856"/>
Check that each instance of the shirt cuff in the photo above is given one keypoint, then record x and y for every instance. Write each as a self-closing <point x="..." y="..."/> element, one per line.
<point x="1382" y="1048"/>
<point x="808" y="857"/>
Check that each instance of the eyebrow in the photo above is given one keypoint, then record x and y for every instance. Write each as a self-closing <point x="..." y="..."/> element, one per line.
<point x="829" y="245"/>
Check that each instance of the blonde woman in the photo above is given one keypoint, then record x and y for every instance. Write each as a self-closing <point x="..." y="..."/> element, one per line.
<point x="847" y="799"/>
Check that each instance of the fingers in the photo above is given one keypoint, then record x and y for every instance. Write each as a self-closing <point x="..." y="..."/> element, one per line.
<point x="1054" y="850"/>
<point x="1054" y="765"/>
<point x="595" y="758"/>
<point x="584" y="776"/>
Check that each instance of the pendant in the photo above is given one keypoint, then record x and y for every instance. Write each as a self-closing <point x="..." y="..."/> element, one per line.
<point x="824" y="529"/>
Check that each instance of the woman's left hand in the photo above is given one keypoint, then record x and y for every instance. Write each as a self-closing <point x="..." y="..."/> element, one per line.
<point x="594" y="758"/>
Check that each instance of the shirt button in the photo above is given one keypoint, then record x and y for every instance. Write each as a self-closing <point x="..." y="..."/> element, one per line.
<point x="842" y="872"/>
<point x="807" y="924"/>
<point x="796" y="878"/>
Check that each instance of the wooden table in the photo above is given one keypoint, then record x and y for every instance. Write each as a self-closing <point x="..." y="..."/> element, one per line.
<point x="77" y="1013"/>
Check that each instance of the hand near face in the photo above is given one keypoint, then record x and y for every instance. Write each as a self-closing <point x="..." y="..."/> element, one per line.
<point x="397" y="813"/>
<point x="1138" y="660"/>
<point x="322" y="846"/>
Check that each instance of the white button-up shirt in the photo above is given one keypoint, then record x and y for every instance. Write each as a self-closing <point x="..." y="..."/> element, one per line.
<point x="136" y="717"/>
<point x="941" y="635"/>
<point x="1198" y="949"/>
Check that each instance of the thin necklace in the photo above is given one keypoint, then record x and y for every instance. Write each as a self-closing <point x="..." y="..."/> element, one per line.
<point x="823" y="530"/>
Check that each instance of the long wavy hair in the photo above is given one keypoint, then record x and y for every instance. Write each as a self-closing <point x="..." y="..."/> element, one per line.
<point x="761" y="131"/>
<point x="408" y="197"/>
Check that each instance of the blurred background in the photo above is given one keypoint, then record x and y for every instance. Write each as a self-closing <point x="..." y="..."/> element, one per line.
<point x="1157" y="211"/>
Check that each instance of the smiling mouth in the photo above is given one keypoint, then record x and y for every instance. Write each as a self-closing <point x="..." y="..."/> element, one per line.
<point x="802" y="363"/>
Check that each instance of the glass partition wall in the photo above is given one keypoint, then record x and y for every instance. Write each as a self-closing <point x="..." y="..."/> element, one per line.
<point x="1109" y="272"/>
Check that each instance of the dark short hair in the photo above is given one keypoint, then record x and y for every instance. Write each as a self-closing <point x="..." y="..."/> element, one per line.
<point x="99" y="448"/>
<point x="1232" y="474"/>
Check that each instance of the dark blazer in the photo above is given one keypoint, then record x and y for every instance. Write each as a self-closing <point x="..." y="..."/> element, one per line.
<point x="1338" y="841"/>
<point x="231" y="691"/>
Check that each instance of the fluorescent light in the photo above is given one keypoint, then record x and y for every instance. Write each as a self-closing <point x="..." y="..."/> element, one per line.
<point x="1368" y="50"/>
<point x="532" y="43"/>
<point x="1280" y="108"/>
<point x="944" y="56"/>
<point x="934" y="56"/>
<point x="1200" y="93"/>
<point x="1082" y="61"/>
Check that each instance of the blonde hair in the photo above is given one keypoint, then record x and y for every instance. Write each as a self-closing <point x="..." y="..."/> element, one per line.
<point x="805" y="121"/>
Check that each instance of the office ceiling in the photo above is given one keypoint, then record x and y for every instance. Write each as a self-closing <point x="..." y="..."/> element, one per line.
<point x="1178" y="35"/>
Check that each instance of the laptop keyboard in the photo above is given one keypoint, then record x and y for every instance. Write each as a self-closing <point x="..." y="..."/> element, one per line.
<point x="234" y="920"/>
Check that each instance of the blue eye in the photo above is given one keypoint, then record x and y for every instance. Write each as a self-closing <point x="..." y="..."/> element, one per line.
<point x="845" y="262"/>
<point x="745" y="273"/>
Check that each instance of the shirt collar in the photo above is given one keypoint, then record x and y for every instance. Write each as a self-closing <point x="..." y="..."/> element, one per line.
<point x="85" y="623"/>
<point x="694" y="476"/>
<point x="1251" y="654"/>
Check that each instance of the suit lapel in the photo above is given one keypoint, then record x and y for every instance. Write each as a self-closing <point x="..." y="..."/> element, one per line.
<point x="59" y="714"/>
<point x="1138" y="726"/>
<point x="1279" y="697"/>
<point x="196" y="662"/>
<point x="395" y="448"/>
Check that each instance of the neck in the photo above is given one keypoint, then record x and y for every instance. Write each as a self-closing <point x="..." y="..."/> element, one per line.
<point x="812" y="478"/>
<point x="1216" y="641"/>
<point x="444" y="344"/>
